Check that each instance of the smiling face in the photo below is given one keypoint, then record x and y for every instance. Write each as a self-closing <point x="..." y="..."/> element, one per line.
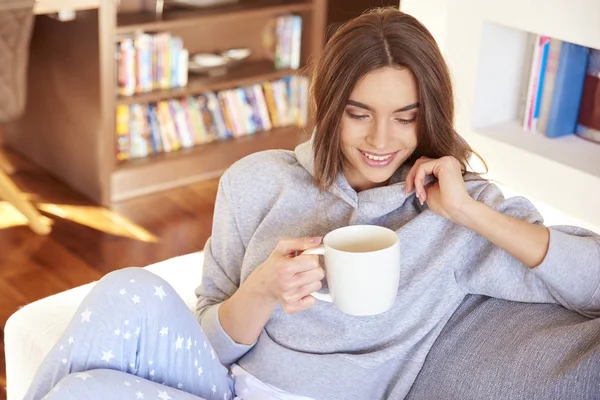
<point x="379" y="126"/>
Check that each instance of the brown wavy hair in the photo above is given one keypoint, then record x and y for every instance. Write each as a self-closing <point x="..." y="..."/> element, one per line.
<point x="382" y="37"/>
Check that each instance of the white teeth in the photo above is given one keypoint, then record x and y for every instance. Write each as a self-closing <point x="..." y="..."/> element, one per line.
<point x="377" y="158"/>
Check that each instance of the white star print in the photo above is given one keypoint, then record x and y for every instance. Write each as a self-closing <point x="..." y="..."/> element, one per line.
<point x="164" y="395"/>
<point x="150" y="362"/>
<point x="71" y="340"/>
<point x="212" y="353"/>
<point x="179" y="343"/>
<point x="62" y="347"/>
<point x="117" y="332"/>
<point x="85" y="316"/>
<point x="122" y="292"/>
<point x="199" y="352"/>
<point x="151" y="372"/>
<point x="132" y="280"/>
<point x="126" y="322"/>
<point x="200" y="371"/>
<point x="132" y="365"/>
<point x="135" y="299"/>
<point x="164" y="331"/>
<point x="137" y="381"/>
<point x="189" y="343"/>
<point x="127" y="336"/>
<point x="137" y="331"/>
<point x="179" y="385"/>
<point x="214" y="389"/>
<point x="159" y="291"/>
<point x="127" y="383"/>
<point x="196" y="362"/>
<point x="83" y="376"/>
<point x="139" y="395"/>
<point x="107" y="355"/>
<point x="195" y="343"/>
<point x="64" y="360"/>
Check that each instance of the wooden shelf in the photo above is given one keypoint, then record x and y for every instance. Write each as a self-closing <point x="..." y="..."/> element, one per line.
<point x="82" y="54"/>
<point x="55" y="6"/>
<point x="163" y="171"/>
<point x="563" y="173"/>
<point x="252" y="72"/>
<point x="179" y="18"/>
<point x="571" y="151"/>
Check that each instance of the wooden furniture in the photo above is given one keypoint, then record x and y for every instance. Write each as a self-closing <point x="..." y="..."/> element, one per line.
<point x="340" y="11"/>
<point x="69" y="124"/>
<point x="16" y="22"/>
<point x="10" y="192"/>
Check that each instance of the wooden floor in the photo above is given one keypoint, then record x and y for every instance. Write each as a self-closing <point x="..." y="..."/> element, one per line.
<point x="87" y="242"/>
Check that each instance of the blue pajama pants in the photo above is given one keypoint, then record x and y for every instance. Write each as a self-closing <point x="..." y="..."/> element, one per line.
<point x="133" y="337"/>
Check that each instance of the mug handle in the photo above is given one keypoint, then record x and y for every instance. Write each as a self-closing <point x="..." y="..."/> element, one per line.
<point x="319" y="296"/>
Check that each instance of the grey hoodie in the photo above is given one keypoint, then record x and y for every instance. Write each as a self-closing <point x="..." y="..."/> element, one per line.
<point x="324" y="354"/>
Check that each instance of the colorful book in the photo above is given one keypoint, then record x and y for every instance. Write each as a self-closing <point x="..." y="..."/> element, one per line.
<point x="122" y="128"/>
<point x="568" y="87"/>
<point x="589" y="113"/>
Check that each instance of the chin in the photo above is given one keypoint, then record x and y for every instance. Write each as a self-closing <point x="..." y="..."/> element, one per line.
<point x="379" y="177"/>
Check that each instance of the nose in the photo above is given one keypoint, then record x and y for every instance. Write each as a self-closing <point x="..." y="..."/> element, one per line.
<point x="379" y="136"/>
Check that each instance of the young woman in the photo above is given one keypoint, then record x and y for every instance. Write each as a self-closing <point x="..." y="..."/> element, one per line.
<point x="384" y="152"/>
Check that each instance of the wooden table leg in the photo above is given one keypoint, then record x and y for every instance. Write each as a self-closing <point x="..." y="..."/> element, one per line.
<point x="11" y="193"/>
<point x="5" y="164"/>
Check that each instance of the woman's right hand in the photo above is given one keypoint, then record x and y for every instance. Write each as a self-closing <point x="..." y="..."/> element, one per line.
<point x="287" y="279"/>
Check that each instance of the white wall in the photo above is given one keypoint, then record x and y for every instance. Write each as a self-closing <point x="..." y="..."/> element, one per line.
<point x="483" y="42"/>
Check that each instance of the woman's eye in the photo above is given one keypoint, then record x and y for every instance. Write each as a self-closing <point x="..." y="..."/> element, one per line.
<point x="357" y="116"/>
<point x="406" y="121"/>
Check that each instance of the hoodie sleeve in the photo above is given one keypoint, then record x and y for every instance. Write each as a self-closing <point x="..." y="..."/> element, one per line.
<point x="569" y="274"/>
<point x="223" y="255"/>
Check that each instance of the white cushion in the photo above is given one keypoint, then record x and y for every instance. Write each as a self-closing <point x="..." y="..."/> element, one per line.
<point x="31" y="332"/>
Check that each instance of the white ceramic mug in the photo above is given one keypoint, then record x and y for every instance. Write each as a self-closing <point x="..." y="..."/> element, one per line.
<point x="362" y="265"/>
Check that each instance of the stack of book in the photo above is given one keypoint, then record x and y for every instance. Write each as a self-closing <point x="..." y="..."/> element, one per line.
<point x="147" y="62"/>
<point x="563" y="91"/>
<point x="288" y="34"/>
<point x="173" y="124"/>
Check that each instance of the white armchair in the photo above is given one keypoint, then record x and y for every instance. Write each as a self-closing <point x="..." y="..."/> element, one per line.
<point x="31" y="332"/>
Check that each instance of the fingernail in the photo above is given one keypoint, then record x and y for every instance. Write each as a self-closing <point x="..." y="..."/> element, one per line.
<point x="316" y="240"/>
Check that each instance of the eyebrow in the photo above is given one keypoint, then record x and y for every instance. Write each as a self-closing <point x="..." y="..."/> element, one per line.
<point x="366" y="107"/>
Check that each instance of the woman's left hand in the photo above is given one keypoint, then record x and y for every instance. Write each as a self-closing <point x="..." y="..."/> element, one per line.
<point x="448" y="195"/>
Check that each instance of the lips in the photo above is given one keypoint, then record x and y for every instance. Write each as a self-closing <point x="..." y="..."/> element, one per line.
<point x="376" y="160"/>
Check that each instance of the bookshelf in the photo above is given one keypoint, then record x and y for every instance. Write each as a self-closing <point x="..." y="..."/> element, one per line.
<point x="69" y="124"/>
<point x="251" y="72"/>
<point x="485" y="43"/>
<point x="174" y="19"/>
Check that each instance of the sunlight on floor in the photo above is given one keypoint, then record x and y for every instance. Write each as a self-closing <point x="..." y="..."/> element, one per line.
<point x="10" y="216"/>
<point x="97" y="218"/>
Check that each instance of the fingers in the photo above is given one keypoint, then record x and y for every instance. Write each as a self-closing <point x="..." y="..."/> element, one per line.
<point x="287" y="268"/>
<point x="287" y="246"/>
<point x="313" y="275"/>
<point x="425" y="168"/>
<point x="303" y="304"/>
<point x="295" y="298"/>
<point x="302" y="299"/>
<point x="297" y="277"/>
<point x="410" y="178"/>
<point x="291" y="286"/>
<point x="415" y="179"/>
